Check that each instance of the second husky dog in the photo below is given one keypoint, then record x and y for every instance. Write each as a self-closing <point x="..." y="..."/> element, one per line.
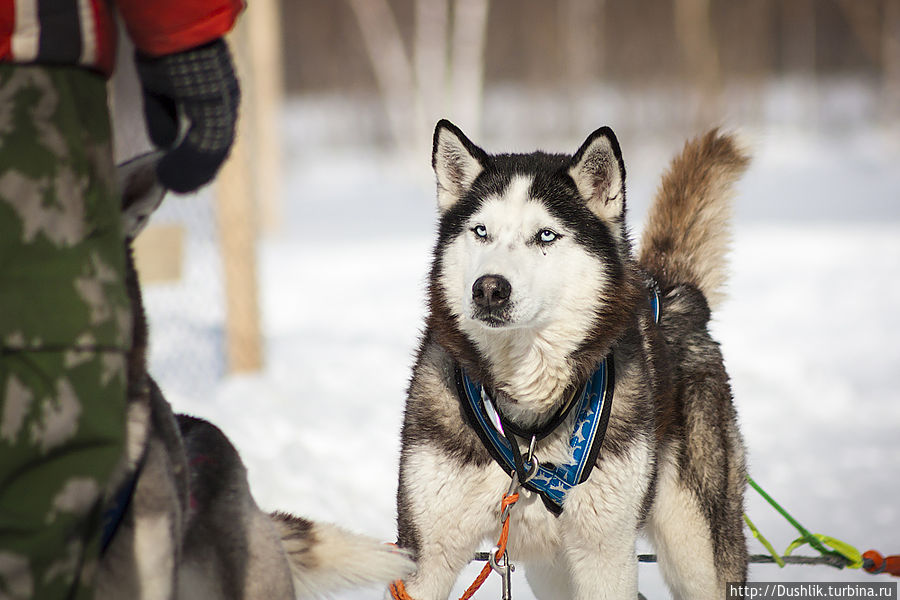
<point x="182" y="523"/>
<point x="544" y="333"/>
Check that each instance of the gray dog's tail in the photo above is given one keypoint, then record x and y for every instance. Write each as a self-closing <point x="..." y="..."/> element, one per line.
<point x="687" y="232"/>
<point x="325" y="558"/>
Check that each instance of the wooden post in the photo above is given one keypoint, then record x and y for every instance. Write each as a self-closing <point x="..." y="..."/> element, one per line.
<point x="237" y="230"/>
<point x="263" y="22"/>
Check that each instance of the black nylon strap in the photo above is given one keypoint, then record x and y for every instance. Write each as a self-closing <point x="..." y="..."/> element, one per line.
<point x="547" y="428"/>
<point x="604" y="419"/>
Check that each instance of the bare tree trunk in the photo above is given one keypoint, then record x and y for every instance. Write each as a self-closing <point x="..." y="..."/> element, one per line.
<point x="694" y="32"/>
<point x="864" y="19"/>
<point x="431" y="56"/>
<point x="392" y="67"/>
<point x="891" y="62"/>
<point x="799" y="35"/>
<point x="467" y="63"/>
<point x="414" y="93"/>
<point x="756" y="17"/>
<point x="581" y="30"/>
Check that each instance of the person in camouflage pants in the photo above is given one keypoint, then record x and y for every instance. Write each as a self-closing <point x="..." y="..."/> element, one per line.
<point x="64" y="326"/>
<point x="65" y="318"/>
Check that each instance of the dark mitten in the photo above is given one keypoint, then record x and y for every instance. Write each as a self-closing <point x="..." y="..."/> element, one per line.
<point x="198" y="87"/>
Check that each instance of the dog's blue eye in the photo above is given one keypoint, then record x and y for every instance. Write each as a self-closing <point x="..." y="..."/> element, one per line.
<point x="480" y="231"/>
<point x="547" y="236"/>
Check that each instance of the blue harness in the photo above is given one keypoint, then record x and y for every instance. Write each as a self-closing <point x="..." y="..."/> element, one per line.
<point x="551" y="481"/>
<point x="592" y="404"/>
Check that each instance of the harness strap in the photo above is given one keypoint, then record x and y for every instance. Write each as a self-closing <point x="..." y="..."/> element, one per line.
<point x="550" y="481"/>
<point x="654" y="301"/>
<point x="549" y="426"/>
<point x="115" y="512"/>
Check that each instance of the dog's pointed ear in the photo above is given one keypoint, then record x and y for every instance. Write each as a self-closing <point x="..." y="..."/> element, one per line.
<point x="599" y="174"/>
<point x="456" y="162"/>
<point x="141" y="192"/>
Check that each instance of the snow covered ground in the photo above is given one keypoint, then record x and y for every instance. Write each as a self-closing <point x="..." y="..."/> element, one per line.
<point x="810" y="335"/>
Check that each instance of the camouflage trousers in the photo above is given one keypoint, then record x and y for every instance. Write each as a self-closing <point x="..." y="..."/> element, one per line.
<point x="65" y="327"/>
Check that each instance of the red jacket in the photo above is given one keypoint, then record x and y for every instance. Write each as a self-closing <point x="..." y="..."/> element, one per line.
<point x="82" y="32"/>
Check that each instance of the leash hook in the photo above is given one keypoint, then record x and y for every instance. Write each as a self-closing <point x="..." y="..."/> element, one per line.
<point x="514" y="484"/>
<point x="531" y="469"/>
<point x="503" y="568"/>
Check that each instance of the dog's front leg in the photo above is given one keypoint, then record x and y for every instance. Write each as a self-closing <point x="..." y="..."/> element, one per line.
<point x="600" y="527"/>
<point x="445" y="508"/>
<point x="604" y="571"/>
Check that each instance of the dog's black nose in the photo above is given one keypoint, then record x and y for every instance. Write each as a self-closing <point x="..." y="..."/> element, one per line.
<point x="491" y="291"/>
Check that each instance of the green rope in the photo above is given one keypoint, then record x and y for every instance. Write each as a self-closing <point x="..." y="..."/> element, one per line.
<point x="762" y="540"/>
<point x="805" y="534"/>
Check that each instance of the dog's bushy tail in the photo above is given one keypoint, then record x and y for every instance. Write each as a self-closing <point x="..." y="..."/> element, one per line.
<point x="325" y="558"/>
<point x="687" y="233"/>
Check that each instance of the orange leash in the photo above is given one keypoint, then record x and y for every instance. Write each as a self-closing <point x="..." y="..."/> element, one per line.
<point x="398" y="590"/>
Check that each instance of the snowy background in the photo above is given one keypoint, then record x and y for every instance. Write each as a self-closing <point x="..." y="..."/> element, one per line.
<point x="811" y="332"/>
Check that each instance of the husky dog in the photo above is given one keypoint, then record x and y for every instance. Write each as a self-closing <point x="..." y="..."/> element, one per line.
<point x="533" y="291"/>
<point x="182" y="523"/>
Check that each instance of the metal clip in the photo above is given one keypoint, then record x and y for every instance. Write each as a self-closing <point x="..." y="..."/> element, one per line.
<point x="503" y="568"/>
<point x="531" y="446"/>
<point x="531" y="462"/>
<point x="514" y="484"/>
<point x="513" y="488"/>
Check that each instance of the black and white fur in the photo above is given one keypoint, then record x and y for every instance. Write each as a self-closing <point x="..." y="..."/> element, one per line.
<point x="192" y="529"/>
<point x="533" y="283"/>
